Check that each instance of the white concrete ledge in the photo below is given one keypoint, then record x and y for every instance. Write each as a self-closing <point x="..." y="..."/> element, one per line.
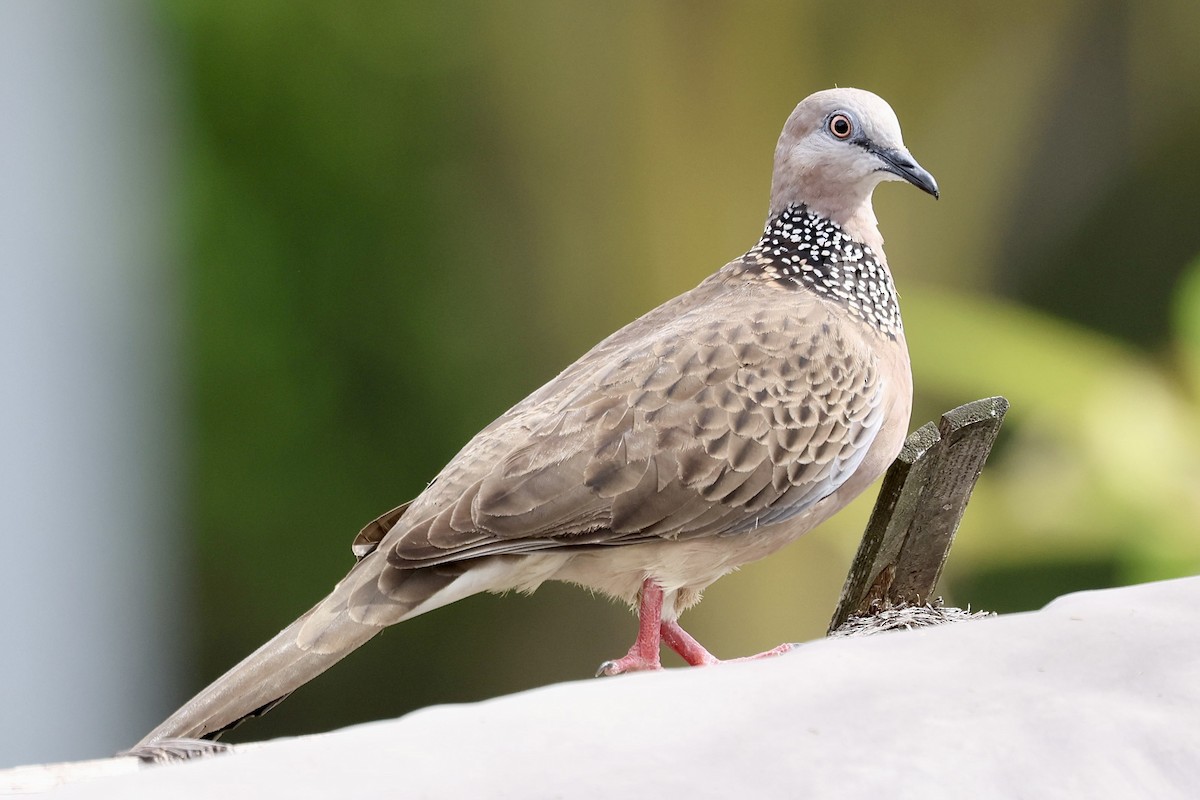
<point x="1097" y="696"/>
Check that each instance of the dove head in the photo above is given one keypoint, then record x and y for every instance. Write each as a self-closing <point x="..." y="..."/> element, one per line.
<point x="836" y="147"/>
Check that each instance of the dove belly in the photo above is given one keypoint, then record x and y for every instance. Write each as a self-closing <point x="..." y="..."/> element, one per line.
<point x="683" y="568"/>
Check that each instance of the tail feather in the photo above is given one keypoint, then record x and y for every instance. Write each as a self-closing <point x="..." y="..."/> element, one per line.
<point x="371" y="597"/>
<point x="300" y="652"/>
<point x="261" y="680"/>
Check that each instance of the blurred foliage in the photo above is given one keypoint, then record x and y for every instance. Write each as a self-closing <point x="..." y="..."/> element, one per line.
<point x="402" y="217"/>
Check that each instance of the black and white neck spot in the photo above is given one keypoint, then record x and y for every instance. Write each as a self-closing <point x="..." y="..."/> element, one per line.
<point x="800" y="248"/>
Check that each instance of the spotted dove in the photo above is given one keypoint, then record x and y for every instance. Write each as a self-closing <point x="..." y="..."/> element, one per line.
<point x="708" y="433"/>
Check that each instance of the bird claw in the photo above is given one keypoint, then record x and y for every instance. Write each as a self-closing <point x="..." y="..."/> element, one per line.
<point x="630" y="663"/>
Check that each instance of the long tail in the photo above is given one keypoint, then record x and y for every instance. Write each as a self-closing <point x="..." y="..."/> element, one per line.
<point x="358" y="608"/>
<point x="262" y="679"/>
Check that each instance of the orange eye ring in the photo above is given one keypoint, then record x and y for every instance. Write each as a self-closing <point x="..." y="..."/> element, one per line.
<point x="840" y="126"/>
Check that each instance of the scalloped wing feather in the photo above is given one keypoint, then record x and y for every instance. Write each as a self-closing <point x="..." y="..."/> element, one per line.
<point x="705" y="427"/>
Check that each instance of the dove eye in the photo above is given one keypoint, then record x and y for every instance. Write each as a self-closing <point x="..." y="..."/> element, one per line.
<point x="841" y="126"/>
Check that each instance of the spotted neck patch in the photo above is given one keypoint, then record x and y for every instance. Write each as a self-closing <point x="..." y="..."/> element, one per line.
<point x="799" y="248"/>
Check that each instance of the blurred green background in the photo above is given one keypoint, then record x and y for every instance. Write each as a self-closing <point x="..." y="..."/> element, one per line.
<point x="400" y="218"/>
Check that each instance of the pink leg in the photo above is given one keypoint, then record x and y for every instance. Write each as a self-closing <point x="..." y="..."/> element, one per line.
<point x="653" y="630"/>
<point x="682" y="642"/>
<point x="644" y="653"/>
<point x="694" y="653"/>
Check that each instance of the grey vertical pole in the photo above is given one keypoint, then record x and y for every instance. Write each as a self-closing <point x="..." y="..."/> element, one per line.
<point x="90" y="468"/>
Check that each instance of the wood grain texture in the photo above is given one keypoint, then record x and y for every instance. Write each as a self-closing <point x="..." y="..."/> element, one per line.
<point x="919" y="508"/>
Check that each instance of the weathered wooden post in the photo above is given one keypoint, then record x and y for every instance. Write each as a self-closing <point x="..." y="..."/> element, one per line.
<point x="920" y="505"/>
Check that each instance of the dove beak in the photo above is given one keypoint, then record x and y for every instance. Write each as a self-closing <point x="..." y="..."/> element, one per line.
<point x="898" y="162"/>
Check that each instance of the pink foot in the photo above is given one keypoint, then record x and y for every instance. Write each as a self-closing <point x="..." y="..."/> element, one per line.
<point x="694" y="653"/>
<point x="653" y="630"/>
<point x="631" y="662"/>
<point x="644" y="653"/>
<point x="786" y="647"/>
